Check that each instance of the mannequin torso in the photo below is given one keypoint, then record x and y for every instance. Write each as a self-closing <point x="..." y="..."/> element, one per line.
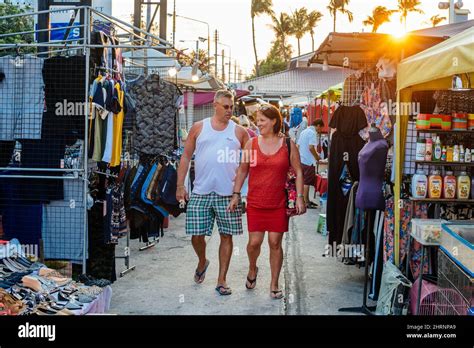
<point x="372" y="160"/>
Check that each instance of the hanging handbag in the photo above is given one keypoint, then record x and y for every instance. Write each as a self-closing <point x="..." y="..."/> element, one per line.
<point x="290" y="185"/>
<point x="345" y="180"/>
<point x="168" y="185"/>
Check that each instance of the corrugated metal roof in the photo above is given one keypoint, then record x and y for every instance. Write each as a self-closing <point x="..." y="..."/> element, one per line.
<point x="445" y="30"/>
<point x="296" y="81"/>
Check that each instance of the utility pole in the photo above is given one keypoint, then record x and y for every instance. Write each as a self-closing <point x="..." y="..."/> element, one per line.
<point x="174" y="22"/>
<point x="235" y="71"/>
<point x="223" y="66"/>
<point x="216" y="39"/>
<point x="163" y="19"/>
<point x="230" y="69"/>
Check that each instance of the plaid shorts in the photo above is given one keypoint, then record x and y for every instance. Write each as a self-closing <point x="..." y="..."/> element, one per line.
<point x="202" y="210"/>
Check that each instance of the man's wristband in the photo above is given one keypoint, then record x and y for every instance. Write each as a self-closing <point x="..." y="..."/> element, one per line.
<point x="236" y="193"/>
<point x="299" y="195"/>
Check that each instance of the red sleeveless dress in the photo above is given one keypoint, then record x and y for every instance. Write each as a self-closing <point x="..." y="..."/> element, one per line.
<point x="266" y="199"/>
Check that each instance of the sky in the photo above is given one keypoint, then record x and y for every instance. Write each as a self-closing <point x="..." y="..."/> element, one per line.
<point x="232" y="19"/>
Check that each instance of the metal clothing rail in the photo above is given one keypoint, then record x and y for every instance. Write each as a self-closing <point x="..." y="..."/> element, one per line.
<point x="82" y="45"/>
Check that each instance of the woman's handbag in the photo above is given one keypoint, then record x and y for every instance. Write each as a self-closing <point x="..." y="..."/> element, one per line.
<point x="290" y="186"/>
<point x="345" y="180"/>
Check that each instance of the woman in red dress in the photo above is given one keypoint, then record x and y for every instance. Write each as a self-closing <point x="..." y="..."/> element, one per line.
<point x="265" y="159"/>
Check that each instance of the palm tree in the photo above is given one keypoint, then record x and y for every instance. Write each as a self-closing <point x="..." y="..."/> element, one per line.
<point x="407" y="6"/>
<point x="299" y="25"/>
<point x="380" y="15"/>
<point x="282" y="28"/>
<point x="339" y="6"/>
<point x="190" y="58"/>
<point x="313" y="18"/>
<point x="436" y="19"/>
<point x="259" y="7"/>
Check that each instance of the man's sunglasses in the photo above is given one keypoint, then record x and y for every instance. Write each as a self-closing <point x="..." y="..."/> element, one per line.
<point x="227" y="107"/>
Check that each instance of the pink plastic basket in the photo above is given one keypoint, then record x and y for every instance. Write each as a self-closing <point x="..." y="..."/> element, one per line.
<point x="428" y="298"/>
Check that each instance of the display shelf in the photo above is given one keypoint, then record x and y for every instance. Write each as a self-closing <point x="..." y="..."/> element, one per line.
<point x="442" y="200"/>
<point x="446" y="164"/>
<point x="440" y="131"/>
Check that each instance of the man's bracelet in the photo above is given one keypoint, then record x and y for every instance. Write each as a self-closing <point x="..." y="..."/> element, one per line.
<point x="236" y="193"/>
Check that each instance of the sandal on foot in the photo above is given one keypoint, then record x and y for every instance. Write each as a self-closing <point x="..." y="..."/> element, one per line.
<point x="252" y="281"/>
<point x="223" y="291"/>
<point x="276" y="294"/>
<point x="199" y="276"/>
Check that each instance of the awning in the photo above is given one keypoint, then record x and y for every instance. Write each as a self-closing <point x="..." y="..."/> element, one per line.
<point x="453" y="56"/>
<point x="355" y="50"/>
<point x="151" y="58"/>
<point x="203" y="98"/>
<point x="206" y="82"/>
<point x="335" y="90"/>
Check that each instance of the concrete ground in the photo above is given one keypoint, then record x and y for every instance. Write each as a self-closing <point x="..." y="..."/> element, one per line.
<point x="162" y="282"/>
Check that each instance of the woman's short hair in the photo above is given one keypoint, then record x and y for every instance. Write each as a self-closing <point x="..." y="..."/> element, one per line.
<point x="271" y="112"/>
<point x="318" y="122"/>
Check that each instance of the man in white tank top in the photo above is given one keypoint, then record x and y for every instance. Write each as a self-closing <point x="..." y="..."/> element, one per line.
<point x="216" y="143"/>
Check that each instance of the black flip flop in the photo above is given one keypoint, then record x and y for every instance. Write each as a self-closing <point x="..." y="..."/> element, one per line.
<point x="274" y="293"/>
<point x="223" y="291"/>
<point x="200" y="276"/>
<point x="252" y="281"/>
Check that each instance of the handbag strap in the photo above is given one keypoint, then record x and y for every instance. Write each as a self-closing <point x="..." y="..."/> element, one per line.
<point x="288" y="146"/>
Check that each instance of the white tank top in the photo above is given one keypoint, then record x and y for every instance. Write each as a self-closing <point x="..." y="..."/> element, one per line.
<point x="217" y="157"/>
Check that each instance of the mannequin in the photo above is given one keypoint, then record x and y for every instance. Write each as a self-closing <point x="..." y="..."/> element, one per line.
<point x="369" y="197"/>
<point x="372" y="161"/>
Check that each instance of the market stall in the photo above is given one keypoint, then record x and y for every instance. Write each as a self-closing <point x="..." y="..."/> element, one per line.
<point x="86" y="152"/>
<point x="360" y="189"/>
<point x="433" y="157"/>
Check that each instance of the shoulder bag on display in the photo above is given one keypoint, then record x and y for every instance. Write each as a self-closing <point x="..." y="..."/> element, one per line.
<point x="168" y="185"/>
<point x="345" y="180"/>
<point x="290" y="185"/>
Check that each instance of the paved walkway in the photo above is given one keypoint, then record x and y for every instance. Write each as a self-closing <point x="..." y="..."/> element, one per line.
<point x="163" y="280"/>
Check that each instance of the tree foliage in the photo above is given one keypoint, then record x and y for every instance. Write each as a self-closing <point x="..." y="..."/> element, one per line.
<point x="380" y="15"/>
<point x="15" y="25"/>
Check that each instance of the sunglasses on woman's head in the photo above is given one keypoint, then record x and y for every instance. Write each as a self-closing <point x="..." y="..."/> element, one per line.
<point x="264" y="107"/>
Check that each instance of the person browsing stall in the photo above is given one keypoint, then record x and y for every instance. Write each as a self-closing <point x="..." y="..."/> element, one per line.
<point x="308" y="143"/>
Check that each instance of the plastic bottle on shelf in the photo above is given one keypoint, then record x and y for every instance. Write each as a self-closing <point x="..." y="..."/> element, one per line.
<point x="461" y="154"/>
<point x="456" y="154"/>
<point x="449" y="154"/>
<point x="464" y="186"/>
<point x="419" y="184"/>
<point x="420" y="149"/>
<point x="467" y="156"/>
<point x="472" y="155"/>
<point x="435" y="185"/>
<point x="429" y="150"/>
<point x="437" y="150"/>
<point x="443" y="154"/>
<point x="449" y="185"/>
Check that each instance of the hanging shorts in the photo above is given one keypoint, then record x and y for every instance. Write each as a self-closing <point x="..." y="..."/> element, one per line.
<point x="203" y="210"/>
